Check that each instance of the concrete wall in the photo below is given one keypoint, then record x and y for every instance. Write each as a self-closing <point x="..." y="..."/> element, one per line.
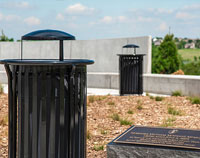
<point x="153" y="83"/>
<point x="103" y="52"/>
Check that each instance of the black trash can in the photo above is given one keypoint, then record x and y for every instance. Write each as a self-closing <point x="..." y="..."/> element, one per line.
<point x="47" y="103"/>
<point x="130" y="72"/>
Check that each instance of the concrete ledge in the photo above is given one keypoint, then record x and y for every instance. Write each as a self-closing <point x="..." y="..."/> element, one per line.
<point x="153" y="83"/>
<point x="139" y="151"/>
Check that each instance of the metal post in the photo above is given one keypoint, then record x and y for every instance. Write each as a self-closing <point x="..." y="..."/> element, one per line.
<point x="61" y="50"/>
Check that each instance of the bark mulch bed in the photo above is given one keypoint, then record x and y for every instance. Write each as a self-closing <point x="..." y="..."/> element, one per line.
<point x="108" y="116"/>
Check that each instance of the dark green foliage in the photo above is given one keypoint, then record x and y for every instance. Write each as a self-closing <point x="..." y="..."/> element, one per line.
<point x="181" y="44"/>
<point x="165" y="59"/>
<point x="158" y="98"/>
<point x="4" y="38"/>
<point x="197" y="43"/>
<point x="195" y="100"/>
<point x="177" y="93"/>
<point x="192" y="68"/>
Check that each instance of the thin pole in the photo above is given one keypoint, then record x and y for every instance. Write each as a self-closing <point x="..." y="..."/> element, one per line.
<point x="21" y="49"/>
<point x="61" y="50"/>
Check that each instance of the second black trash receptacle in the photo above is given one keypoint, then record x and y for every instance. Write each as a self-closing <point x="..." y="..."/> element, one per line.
<point x="47" y="104"/>
<point x="131" y="70"/>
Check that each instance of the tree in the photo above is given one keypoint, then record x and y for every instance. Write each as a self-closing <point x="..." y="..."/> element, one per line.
<point x="3" y="37"/>
<point x="166" y="59"/>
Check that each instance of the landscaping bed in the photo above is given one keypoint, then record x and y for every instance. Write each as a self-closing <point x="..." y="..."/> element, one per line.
<point x="108" y="116"/>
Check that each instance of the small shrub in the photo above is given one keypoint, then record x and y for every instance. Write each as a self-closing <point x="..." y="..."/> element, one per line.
<point x="91" y="99"/>
<point x="1" y="89"/>
<point x="152" y="97"/>
<point x="103" y="131"/>
<point x="168" y="122"/>
<point x="100" y="98"/>
<point x="159" y="98"/>
<point x="98" y="148"/>
<point x="4" y="121"/>
<point x="125" y="122"/>
<point x="147" y="94"/>
<point x="139" y="107"/>
<point x="89" y="135"/>
<point x="177" y="93"/>
<point x="115" y="117"/>
<point x="173" y="111"/>
<point x="195" y="100"/>
<point x="130" y="111"/>
<point x="111" y="103"/>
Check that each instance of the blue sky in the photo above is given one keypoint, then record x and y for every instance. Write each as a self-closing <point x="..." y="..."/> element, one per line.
<point x="99" y="19"/>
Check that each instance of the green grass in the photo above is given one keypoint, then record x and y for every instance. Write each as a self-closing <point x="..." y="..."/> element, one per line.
<point x="177" y="93"/>
<point x="89" y="135"/>
<point x="159" y="98"/>
<point x="111" y="103"/>
<point x="168" y="122"/>
<point x="125" y="122"/>
<point x="139" y="107"/>
<point x="173" y="111"/>
<point x="98" y="148"/>
<point x="130" y="111"/>
<point x="115" y="117"/>
<point x="93" y="98"/>
<point x="188" y="54"/>
<point x="103" y="132"/>
<point x="151" y="97"/>
<point x="194" y="100"/>
<point x="1" y="89"/>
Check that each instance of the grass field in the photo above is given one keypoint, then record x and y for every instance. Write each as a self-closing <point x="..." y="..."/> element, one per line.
<point x="188" y="54"/>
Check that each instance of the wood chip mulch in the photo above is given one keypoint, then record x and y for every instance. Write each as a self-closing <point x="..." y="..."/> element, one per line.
<point x="105" y="113"/>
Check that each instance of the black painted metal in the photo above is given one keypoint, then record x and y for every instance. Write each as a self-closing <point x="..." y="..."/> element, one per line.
<point x="47" y="104"/>
<point x="51" y="111"/>
<point x="131" y="69"/>
<point x="48" y="35"/>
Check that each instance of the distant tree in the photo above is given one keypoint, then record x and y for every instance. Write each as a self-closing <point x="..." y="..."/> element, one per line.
<point x="181" y="44"/>
<point x="3" y="37"/>
<point x="197" y="43"/>
<point x="190" y="41"/>
<point x="166" y="59"/>
<point x="176" y="39"/>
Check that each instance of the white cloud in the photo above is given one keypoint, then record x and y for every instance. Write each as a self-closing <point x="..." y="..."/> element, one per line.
<point x="184" y="15"/>
<point x="16" y="5"/>
<point x="12" y="17"/>
<point x="60" y="17"/>
<point x="192" y="7"/>
<point x="1" y="16"/>
<point x="164" y="11"/>
<point x="79" y="9"/>
<point x="163" y="26"/>
<point x="122" y="19"/>
<point x="9" y="18"/>
<point x="32" y="20"/>
<point x="144" y="19"/>
<point x="107" y="19"/>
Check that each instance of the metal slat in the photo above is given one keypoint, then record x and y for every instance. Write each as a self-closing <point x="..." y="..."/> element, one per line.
<point x="72" y="114"/>
<point x="48" y="108"/>
<point x="77" y="147"/>
<point x="11" y="121"/>
<point x="35" y="114"/>
<point x="62" y="115"/>
<point x="26" y="115"/>
<point x="52" y="135"/>
<point x="43" y="114"/>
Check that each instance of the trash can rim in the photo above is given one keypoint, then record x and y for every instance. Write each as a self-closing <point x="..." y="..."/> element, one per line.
<point x="46" y="62"/>
<point x="131" y="54"/>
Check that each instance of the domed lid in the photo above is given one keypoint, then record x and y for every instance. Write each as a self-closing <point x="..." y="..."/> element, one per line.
<point x="48" y="35"/>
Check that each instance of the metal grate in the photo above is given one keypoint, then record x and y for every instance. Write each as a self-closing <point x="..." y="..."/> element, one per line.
<point x="130" y="67"/>
<point x="51" y="115"/>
